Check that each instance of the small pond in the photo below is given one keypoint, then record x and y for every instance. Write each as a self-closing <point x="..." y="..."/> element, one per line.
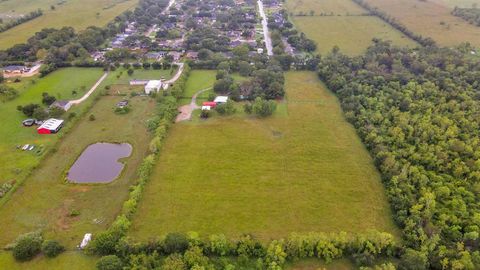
<point x="99" y="163"/>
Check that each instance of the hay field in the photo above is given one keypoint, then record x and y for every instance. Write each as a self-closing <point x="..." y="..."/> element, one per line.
<point x="353" y="34"/>
<point x="337" y="7"/>
<point x="431" y="19"/>
<point x="76" y="13"/>
<point x="301" y="170"/>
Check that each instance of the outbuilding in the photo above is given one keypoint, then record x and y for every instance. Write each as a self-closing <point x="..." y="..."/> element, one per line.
<point x="210" y="104"/>
<point x="206" y="108"/>
<point x="62" y="104"/>
<point x="86" y="239"/>
<point x="51" y="126"/>
<point x="221" y="100"/>
<point x="153" y="86"/>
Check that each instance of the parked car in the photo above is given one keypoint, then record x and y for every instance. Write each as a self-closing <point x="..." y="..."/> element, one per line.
<point x="29" y="122"/>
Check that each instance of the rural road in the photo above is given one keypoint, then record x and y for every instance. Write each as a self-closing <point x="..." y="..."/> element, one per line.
<point x="94" y="87"/>
<point x="175" y="78"/>
<point x="186" y="110"/>
<point x="266" y="34"/>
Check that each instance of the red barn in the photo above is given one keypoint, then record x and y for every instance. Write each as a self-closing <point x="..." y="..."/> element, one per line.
<point x="210" y="103"/>
<point x="50" y="126"/>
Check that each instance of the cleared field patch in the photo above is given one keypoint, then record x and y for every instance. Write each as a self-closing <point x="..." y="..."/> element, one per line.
<point x="68" y="260"/>
<point x="305" y="170"/>
<point x="60" y="84"/>
<point x="324" y="7"/>
<point x="431" y="19"/>
<point x="45" y="201"/>
<point x="352" y="34"/>
<point x="78" y="14"/>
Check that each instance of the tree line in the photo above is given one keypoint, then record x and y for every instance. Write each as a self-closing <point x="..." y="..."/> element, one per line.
<point x="417" y="111"/>
<point x="424" y="41"/>
<point x="471" y="15"/>
<point x="25" y="18"/>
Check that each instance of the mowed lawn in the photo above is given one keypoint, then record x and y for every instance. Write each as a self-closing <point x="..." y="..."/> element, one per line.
<point x="302" y="171"/>
<point x="45" y="201"/>
<point x="352" y="34"/>
<point x="78" y="14"/>
<point x="75" y="260"/>
<point x="60" y="84"/>
<point x="431" y="19"/>
<point x="324" y="7"/>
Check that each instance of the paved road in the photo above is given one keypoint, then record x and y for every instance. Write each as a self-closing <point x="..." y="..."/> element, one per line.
<point x="94" y="87"/>
<point x="266" y="33"/>
<point x="186" y="110"/>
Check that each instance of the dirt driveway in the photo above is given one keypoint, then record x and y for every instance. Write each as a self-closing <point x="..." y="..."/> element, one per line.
<point x="186" y="110"/>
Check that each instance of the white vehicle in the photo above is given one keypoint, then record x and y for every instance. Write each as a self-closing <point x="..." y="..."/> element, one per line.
<point x="86" y="239"/>
<point x="25" y="147"/>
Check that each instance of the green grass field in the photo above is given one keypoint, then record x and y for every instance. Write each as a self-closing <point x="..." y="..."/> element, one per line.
<point x="76" y="13"/>
<point x="353" y="34"/>
<point x="325" y="7"/>
<point x="45" y="200"/>
<point x="431" y="19"/>
<point x="67" y="260"/>
<point x="60" y="84"/>
<point x="301" y="170"/>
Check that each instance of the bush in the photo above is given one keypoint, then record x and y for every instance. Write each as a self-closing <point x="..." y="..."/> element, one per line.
<point x="27" y="246"/>
<point x="91" y="117"/>
<point x="226" y="109"/>
<point x="104" y="243"/>
<point x="205" y="114"/>
<point x="175" y="243"/>
<point x="110" y="262"/>
<point x="263" y="108"/>
<point x="174" y="262"/>
<point x="52" y="248"/>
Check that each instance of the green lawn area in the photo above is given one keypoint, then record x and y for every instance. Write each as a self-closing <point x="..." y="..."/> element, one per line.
<point x="78" y="14"/>
<point x="353" y="34"/>
<point x="145" y="74"/>
<point x="60" y="84"/>
<point x="45" y="201"/>
<point x="68" y="260"/>
<point x="198" y="80"/>
<point x="302" y="170"/>
<point x="325" y="7"/>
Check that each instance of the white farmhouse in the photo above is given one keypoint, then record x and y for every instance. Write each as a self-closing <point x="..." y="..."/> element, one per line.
<point x="153" y="86"/>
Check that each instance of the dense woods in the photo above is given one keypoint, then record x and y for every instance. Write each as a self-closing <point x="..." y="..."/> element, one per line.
<point x="471" y="15"/>
<point x="418" y="112"/>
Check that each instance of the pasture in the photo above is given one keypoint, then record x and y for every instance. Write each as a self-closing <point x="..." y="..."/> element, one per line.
<point x="69" y="260"/>
<point x="431" y="19"/>
<point x="60" y="84"/>
<point x="352" y="34"/>
<point x="45" y="201"/>
<point x="303" y="169"/>
<point x="78" y="14"/>
<point x="324" y="7"/>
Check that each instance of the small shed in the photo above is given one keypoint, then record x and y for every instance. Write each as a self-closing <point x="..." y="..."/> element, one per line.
<point x="51" y="126"/>
<point x="206" y="108"/>
<point x="153" y="86"/>
<point x="210" y="104"/>
<point x="221" y="99"/>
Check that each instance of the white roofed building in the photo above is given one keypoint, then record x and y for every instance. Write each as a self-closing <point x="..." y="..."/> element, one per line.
<point x="50" y="126"/>
<point x="153" y="86"/>
<point x="221" y="99"/>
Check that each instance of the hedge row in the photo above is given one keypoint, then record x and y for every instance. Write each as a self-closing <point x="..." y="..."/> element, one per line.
<point x="362" y="249"/>
<point x="105" y="242"/>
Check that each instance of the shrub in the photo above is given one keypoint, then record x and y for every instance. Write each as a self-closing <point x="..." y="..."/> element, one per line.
<point x="104" y="243"/>
<point x="130" y="72"/>
<point x="174" y="262"/>
<point x="27" y="246"/>
<point x="52" y="248"/>
<point x="205" y="114"/>
<point x="91" y="117"/>
<point x="263" y="108"/>
<point x="226" y="109"/>
<point x="175" y="243"/>
<point x="110" y="262"/>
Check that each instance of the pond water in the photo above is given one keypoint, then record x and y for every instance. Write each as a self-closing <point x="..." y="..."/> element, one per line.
<point x="99" y="163"/>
